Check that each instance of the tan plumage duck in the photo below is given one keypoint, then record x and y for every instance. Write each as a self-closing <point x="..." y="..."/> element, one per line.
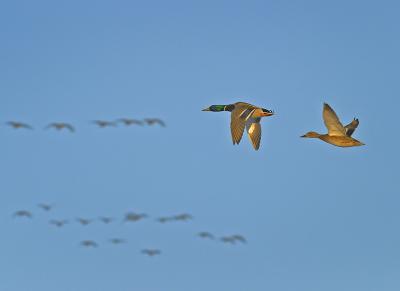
<point x="244" y="115"/>
<point x="338" y="134"/>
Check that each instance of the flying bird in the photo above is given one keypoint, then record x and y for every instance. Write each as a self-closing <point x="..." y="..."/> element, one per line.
<point x="104" y="123"/>
<point x="61" y="126"/>
<point x="23" y="213"/>
<point x="239" y="238"/>
<point x="117" y="241"/>
<point x="151" y="252"/>
<point x="164" y="219"/>
<point x="106" y="220"/>
<point x="205" y="234"/>
<point x="129" y="121"/>
<point x="18" y="125"/>
<point x="58" y="223"/>
<point x="244" y="115"/>
<point x="89" y="244"/>
<point x="45" y="207"/>
<point x="84" y="221"/>
<point x="338" y="134"/>
<point x="133" y="217"/>
<point x="183" y="217"/>
<point x="153" y="121"/>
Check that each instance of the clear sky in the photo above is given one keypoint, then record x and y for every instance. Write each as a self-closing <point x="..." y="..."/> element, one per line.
<point x="316" y="217"/>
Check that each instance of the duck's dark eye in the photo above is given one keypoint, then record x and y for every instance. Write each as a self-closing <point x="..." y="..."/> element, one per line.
<point x="266" y="110"/>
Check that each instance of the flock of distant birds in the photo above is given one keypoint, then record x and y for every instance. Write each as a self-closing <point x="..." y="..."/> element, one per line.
<point x="100" y="123"/>
<point x="130" y="217"/>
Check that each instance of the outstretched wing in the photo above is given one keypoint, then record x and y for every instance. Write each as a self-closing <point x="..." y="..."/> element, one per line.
<point x="239" y="116"/>
<point x="351" y="127"/>
<point x="332" y="122"/>
<point x="70" y="127"/>
<point x="253" y="128"/>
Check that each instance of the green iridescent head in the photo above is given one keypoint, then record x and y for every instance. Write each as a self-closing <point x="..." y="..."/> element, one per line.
<point x="217" y="108"/>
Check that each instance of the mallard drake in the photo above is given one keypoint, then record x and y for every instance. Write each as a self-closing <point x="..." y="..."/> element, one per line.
<point x="244" y="115"/>
<point x="338" y="134"/>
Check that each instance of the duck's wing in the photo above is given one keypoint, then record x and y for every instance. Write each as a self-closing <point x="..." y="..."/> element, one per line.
<point x="239" y="116"/>
<point x="69" y="127"/>
<point x="253" y="128"/>
<point x="332" y="122"/>
<point x="351" y="127"/>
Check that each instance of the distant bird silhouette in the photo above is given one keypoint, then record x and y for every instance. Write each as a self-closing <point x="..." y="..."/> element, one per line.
<point x="153" y="121"/>
<point x="164" y="219"/>
<point x="18" y="125"/>
<point x="84" y="221"/>
<point x="133" y="217"/>
<point x="104" y="123"/>
<point x="89" y="244"/>
<point x="128" y="121"/>
<point x="183" y="217"/>
<point x="58" y="223"/>
<point x="228" y="239"/>
<point x="106" y="220"/>
<point x="117" y="241"/>
<point x="239" y="237"/>
<point x="23" y="213"/>
<point x="151" y="252"/>
<point x="45" y="207"/>
<point x="61" y="126"/>
<point x="205" y="234"/>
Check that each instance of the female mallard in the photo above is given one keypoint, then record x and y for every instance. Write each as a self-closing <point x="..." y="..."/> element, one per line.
<point x="244" y="114"/>
<point x="338" y="134"/>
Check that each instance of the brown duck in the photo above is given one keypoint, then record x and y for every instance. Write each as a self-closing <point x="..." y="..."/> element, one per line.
<point x="338" y="134"/>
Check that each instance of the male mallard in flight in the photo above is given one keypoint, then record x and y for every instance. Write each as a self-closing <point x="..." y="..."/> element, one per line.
<point x="338" y="134"/>
<point x="244" y="115"/>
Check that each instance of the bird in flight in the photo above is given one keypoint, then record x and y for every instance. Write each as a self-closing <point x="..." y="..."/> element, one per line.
<point x="117" y="241"/>
<point x="61" y="126"/>
<point x="239" y="238"/>
<point x="58" y="223"/>
<point x="153" y="121"/>
<point x="244" y="115"/>
<point x="104" y="123"/>
<point x="129" y="121"/>
<point x="151" y="252"/>
<point x="84" y="221"/>
<point x="338" y="134"/>
<point x="183" y="217"/>
<point x="23" y="213"/>
<point x="205" y="234"/>
<point x="45" y="207"/>
<point x="106" y="220"/>
<point x="18" y="125"/>
<point x="228" y="239"/>
<point x="164" y="219"/>
<point x="133" y="217"/>
<point x="89" y="244"/>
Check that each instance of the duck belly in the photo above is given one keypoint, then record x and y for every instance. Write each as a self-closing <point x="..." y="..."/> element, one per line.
<point x="341" y="141"/>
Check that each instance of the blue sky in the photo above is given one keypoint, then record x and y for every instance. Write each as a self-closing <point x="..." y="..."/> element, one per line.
<point x="316" y="217"/>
